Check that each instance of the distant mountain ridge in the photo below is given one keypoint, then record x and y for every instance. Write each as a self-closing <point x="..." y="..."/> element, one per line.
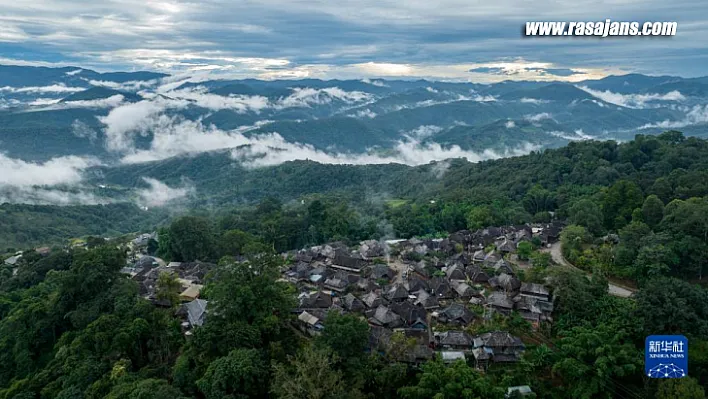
<point x="157" y="116"/>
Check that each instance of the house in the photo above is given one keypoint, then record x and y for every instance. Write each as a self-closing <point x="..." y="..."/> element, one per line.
<point x="441" y="288"/>
<point x="506" y="246"/>
<point x="500" y="302"/>
<point x="497" y="347"/>
<point x="455" y="272"/>
<point x="476" y="274"/>
<point x="12" y="261"/>
<point x="452" y="356"/>
<point x="455" y="340"/>
<point x="413" y="316"/>
<point x="502" y="266"/>
<point x="336" y="284"/>
<point x="535" y="290"/>
<point x="352" y="303"/>
<point x="505" y="282"/>
<point x="385" y="317"/>
<point x="316" y="300"/>
<point x="456" y="314"/>
<point x="533" y="309"/>
<point x="382" y="272"/>
<point x="191" y="292"/>
<point x="348" y="262"/>
<point x="415" y="284"/>
<point x="366" y="285"/>
<point x="396" y="293"/>
<point x="479" y="256"/>
<point x="523" y="390"/>
<point x="491" y="259"/>
<point x="196" y="312"/>
<point x="44" y="251"/>
<point x="426" y="300"/>
<point x="463" y="290"/>
<point x="372" y="300"/>
<point x="310" y="324"/>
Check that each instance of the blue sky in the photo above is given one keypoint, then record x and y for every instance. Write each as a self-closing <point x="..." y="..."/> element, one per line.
<point x="446" y="39"/>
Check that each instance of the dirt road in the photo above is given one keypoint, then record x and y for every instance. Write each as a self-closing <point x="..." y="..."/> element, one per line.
<point x="557" y="256"/>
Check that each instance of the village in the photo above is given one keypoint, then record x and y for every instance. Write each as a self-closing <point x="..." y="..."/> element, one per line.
<point x="432" y="293"/>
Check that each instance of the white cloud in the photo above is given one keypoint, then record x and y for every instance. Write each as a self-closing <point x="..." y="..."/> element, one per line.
<point x="510" y="124"/>
<point x="74" y="72"/>
<point x="577" y="135"/>
<point x="364" y="113"/>
<point x="377" y="83"/>
<point x="43" y="101"/>
<point x="538" y="117"/>
<point x="108" y="102"/>
<point x="48" y="196"/>
<point x="425" y="131"/>
<point x="56" y="88"/>
<point x="56" y="171"/>
<point x="533" y="101"/>
<point x="632" y="100"/>
<point x="239" y="103"/>
<point x="696" y="115"/>
<point x="305" y="97"/>
<point x="133" y="85"/>
<point x="82" y="130"/>
<point x="160" y="194"/>
<point x="126" y="121"/>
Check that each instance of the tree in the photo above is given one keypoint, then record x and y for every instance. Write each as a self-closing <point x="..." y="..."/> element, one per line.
<point x="591" y="358"/>
<point x="669" y="306"/>
<point x="457" y="380"/>
<point x="190" y="239"/>
<point x="144" y="389"/>
<point x="241" y="374"/>
<point x="479" y="217"/>
<point x="588" y="214"/>
<point x="524" y="249"/>
<point x="620" y="200"/>
<point x="573" y="239"/>
<point x="540" y="259"/>
<point x="311" y="375"/>
<point x="168" y="288"/>
<point x="653" y="211"/>
<point x="346" y="334"/>
<point x="680" y="388"/>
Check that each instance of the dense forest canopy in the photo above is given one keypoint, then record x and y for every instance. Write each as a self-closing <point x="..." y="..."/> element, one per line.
<point x="72" y="325"/>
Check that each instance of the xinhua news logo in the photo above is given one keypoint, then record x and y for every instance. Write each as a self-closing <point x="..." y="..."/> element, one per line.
<point x="666" y="356"/>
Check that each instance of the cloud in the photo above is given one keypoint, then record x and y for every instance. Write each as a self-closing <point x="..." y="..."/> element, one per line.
<point x="56" y="171"/>
<point x="74" y="72"/>
<point x="632" y="100"/>
<point x="538" y="117"/>
<point x="364" y="113"/>
<point x="533" y="101"/>
<point x="696" y="115"/>
<point x="82" y="130"/>
<point x="425" y="131"/>
<point x="160" y="194"/>
<point x="133" y="85"/>
<point x="239" y="103"/>
<point x="49" y="196"/>
<point x="123" y="123"/>
<point x="510" y="124"/>
<point x="56" y="88"/>
<point x="305" y="97"/>
<point x="577" y="135"/>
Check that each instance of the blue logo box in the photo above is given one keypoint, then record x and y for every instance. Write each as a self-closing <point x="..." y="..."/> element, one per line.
<point x="666" y="356"/>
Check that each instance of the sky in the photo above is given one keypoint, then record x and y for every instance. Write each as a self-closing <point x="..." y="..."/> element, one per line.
<point x="477" y="40"/>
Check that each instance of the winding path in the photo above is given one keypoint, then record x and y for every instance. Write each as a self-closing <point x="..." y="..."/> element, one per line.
<point x="557" y="257"/>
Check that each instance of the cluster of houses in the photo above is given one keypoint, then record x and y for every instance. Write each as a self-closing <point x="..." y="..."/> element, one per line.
<point x="429" y="292"/>
<point x="146" y="271"/>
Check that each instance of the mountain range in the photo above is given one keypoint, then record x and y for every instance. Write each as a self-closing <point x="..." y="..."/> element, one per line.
<point x="63" y="128"/>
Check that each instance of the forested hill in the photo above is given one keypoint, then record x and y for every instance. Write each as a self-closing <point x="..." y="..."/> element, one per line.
<point x="397" y="198"/>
